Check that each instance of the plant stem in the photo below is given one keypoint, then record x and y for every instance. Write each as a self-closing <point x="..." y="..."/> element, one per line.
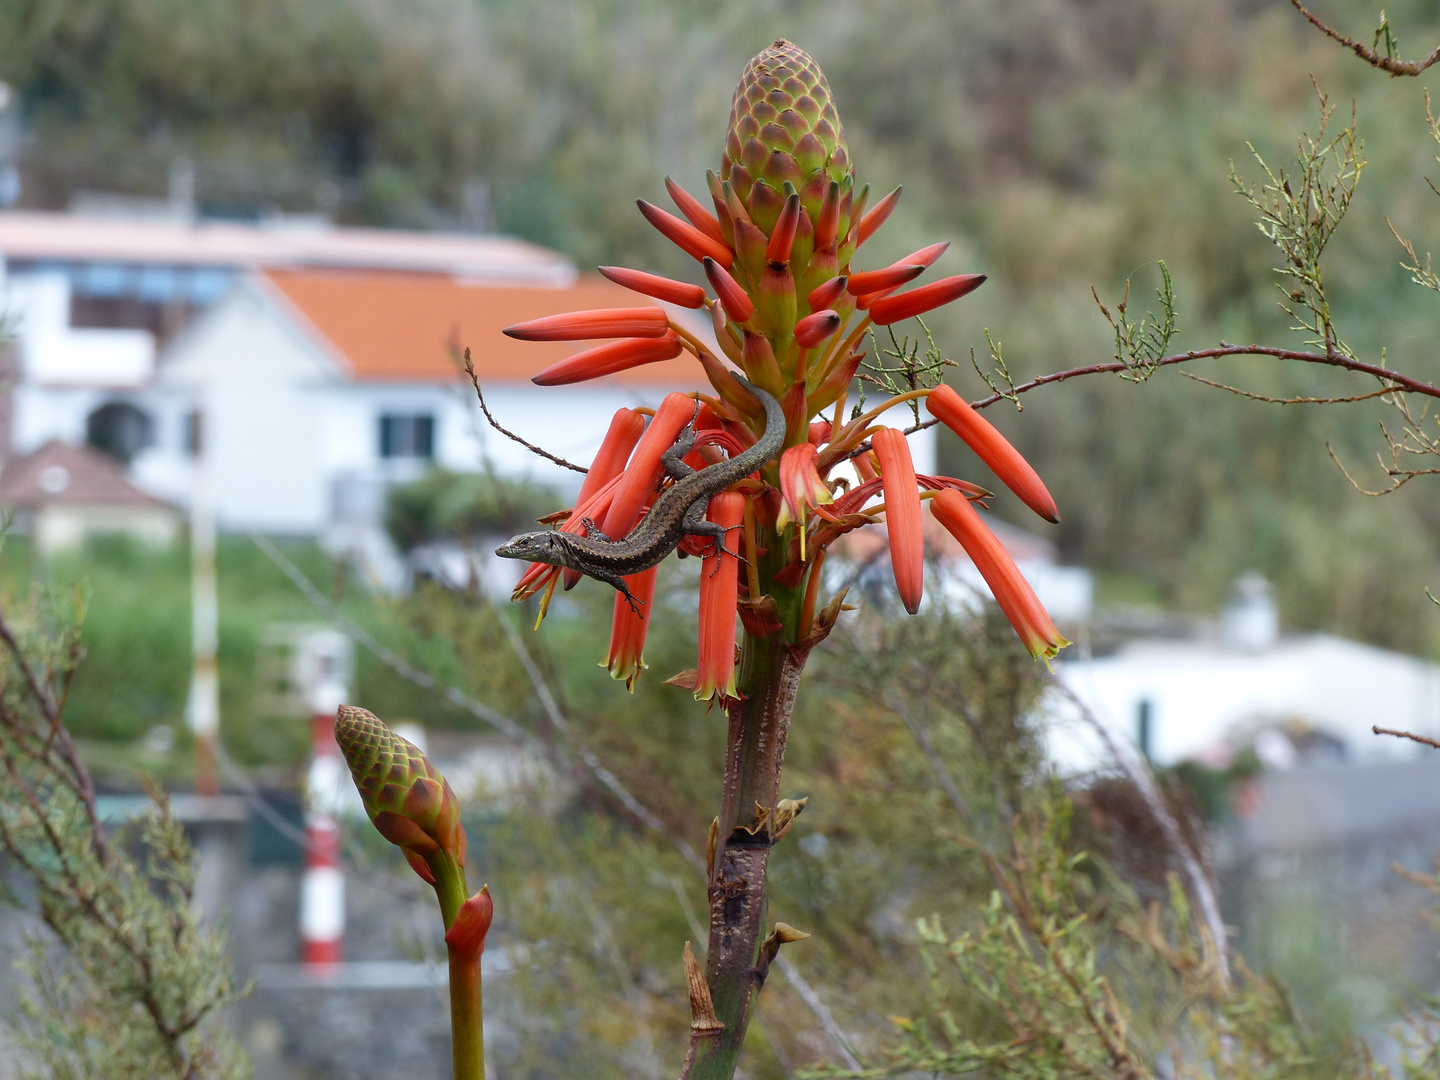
<point x="467" y="1036"/>
<point x="759" y="724"/>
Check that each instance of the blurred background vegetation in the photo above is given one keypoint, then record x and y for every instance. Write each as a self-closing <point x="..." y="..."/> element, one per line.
<point x="1057" y="143"/>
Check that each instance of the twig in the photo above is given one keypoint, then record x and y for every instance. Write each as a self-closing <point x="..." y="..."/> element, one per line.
<point x="59" y="739"/>
<point x="585" y="754"/>
<point x="927" y="748"/>
<point x="1407" y="735"/>
<point x="475" y="381"/>
<point x="1288" y="400"/>
<point x="1201" y="888"/>
<point x="42" y="695"/>
<point x="1385" y="63"/>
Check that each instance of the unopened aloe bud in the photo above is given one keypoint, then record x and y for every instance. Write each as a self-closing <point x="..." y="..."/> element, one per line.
<point x="405" y="796"/>
<point x="784" y="128"/>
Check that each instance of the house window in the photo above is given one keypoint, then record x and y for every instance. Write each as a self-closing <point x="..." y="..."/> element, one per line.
<point x="407" y="435"/>
<point x="120" y="429"/>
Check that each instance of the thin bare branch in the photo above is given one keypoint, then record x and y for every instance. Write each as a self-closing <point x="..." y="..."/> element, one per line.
<point x="475" y="381"/>
<point x="1407" y="735"/>
<point x="1202" y="889"/>
<point x="1287" y="400"/>
<point x="1385" y="63"/>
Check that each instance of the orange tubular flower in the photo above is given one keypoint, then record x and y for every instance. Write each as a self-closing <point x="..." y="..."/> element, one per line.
<point x="719" y="591"/>
<point x="902" y="515"/>
<point x="685" y="236"/>
<point x="876" y="217"/>
<point x="891" y="277"/>
<point x="1012" y="592"/>
<point x="822" y="296"/>
<point x="782" y="240"/>
<point x="645" y="322"/>
<point x="992" y="448"/>
<point x="662" y="288"/>
<point x="639" y="478"/>
<point x="626" y="427"/>
<point x="892" y="309"/>
<point x="693" y="209"/>
<point x="608" y="359"/>
<point x="801" y="488"/>
<point x="626" y="659"/>
<point x="813" y="329"/>
<point x="732" y="297"/>
<point x="926" y="256"/>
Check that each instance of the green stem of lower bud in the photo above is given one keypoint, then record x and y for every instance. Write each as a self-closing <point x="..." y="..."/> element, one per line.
<point x="467" y="1037"/>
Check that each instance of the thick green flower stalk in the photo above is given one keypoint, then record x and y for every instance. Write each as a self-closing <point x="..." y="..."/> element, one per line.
<point x="412" y="806"/>
<point x="792" y="314"/>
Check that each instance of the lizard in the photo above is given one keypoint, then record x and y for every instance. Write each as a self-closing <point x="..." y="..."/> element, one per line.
<point x="678" y="512"/>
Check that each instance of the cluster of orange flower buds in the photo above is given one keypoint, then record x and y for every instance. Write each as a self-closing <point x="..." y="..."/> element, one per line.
<point x="790" y="312"/>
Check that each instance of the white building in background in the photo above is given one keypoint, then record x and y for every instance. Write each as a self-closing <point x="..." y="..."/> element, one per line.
<point x="322" y="359"/>
<point x="1304" y="699"/>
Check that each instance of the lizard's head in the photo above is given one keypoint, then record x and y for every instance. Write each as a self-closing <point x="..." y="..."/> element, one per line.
<point x="541" y="547"/>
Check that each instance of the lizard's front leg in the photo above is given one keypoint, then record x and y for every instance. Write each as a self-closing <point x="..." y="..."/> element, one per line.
<point x="672" y="459"/>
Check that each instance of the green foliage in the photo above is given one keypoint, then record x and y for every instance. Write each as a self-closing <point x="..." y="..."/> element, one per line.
<point x="128" y="982"/>
<point x="136" y="673"/>
<point x="444" y="505"/>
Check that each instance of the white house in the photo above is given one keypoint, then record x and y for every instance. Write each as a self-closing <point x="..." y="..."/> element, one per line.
<point x="1247" y="685"/>
<point x="320" y="388"/>
<point x="321" y="360"/>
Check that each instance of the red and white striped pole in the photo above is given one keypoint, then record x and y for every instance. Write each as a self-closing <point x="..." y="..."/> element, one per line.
<point x="322" y="889"/>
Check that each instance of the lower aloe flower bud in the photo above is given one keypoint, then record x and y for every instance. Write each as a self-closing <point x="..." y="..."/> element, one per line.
<point x="732" y="297"/>
<point x="405" y="796"/>
<point x="813" y="329"/>
<point x="822" y="296"/>
<point x="685" y="236"/>
<point x="902" y="515"/>
<point x="650" y="322"/>
<point x="906" y="305"/>
<point x="891" y="277"/>
<point x="692" y="208"/>
<point x="628" y="630"/>
<point x="801" y="488"/>
<point x="662" y="288"/>
<point x="472" y="922"/>
<point x="876" y="217"/>
<point x="610" y="358"/>
<point x="719" y="591"/>
<point x="992" y="448"/>
<point x="1012" y="592"/>
<point x="783" y="238"/>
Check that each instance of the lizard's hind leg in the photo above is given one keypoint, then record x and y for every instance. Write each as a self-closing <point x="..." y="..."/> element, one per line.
<point x="696" y="524"/>
<point x="623" y="589"/>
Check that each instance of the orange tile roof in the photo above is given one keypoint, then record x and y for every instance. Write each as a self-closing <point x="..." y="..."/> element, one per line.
<point x="398" y="327"/>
